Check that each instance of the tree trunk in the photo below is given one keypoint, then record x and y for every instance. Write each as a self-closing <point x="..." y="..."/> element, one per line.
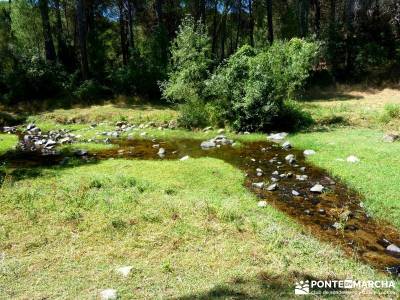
<point x="317" y="5"/>
<point x="48" y="39"/>
<point x="122" y="30"/>
<point x="131" y="12"/>
<point x="214" y="28"/>
<point x="203" y="11"/>
<point x="303" y="17"/>
<point x="159" y="12"/>
<point x="270" y="24"/>
<point x="251" y="25"/>
<point x="239" y="23"/>
<point x="82" y="37"/>
<point x="61" y="45"/>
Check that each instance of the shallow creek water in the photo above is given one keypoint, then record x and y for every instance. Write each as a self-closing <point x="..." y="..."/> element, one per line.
<point x="336" y="215"/>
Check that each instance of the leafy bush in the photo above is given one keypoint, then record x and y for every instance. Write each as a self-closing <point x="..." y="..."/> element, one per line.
<point x="91" y="90"/>
<point x="188" y="70"/>
<point x="32" y="79"/>
<point x="252" y="86"/>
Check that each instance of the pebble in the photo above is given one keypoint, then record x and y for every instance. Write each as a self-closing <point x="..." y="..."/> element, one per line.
<point x="262" y="203"/>
<point x="272" y="187"/>
<point x="309" y="152"/>
<point x="295" y="193"/>
<point x="302" y="177"/>
<point x="108" y="294"/>
<point x="286" y="145"/>
<point x="161" y="151"/>
<point x="186" y="157"/>
<point x="353" y="159"/>
<point x="318" y="188"/>
<point x="124" y="271"/>
<point x="393" y="249"/>
<point x="258" y="185"/>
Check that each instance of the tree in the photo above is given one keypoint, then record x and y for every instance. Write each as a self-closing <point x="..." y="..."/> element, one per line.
<point x="270" y="24"/>
<point x="48" y="38"/>
<point x="82" y="37"/>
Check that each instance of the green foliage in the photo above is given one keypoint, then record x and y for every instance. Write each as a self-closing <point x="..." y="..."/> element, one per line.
<point x="33" y="79"/>
<point x="190" y="63"/>
<point x="91" y="90"/>
<point x="253" y="86"/>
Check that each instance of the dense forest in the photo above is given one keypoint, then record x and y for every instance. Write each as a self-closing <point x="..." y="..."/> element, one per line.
<point x="87" y="49"/>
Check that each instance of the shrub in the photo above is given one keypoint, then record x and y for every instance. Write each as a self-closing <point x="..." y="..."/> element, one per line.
<point x="34" y="79"/>
<point x="91" y="90"/>
<point x="188" y="70"/>
<point x="252" y="86"/>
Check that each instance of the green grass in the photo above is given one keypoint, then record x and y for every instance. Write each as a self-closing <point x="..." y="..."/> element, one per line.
<point x="67" y="229"/>
<point x="7" y="142"/>
<point x="376" y="177"/>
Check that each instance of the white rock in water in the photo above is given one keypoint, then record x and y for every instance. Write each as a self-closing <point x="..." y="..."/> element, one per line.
<point x="309" y="152"/>
<point x="286" y="145"/>
<point x="318" y="188"/>
<point x="392" y="248"/>
<point x="108" y="294"/>
<point x="272" y="187"/>
<point x="295" y="193"/>
<point x="124" y="271"/>
<point x="185" y="158"/>
<point x="161" y="151"/>
<point x="353" y="159"/>
<point x="262" y="203"/>
<point x="258" y="185"/>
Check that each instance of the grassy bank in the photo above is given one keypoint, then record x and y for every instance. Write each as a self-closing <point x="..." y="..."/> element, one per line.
<point x="376" y="176"/>
<point x="68" y="229"/>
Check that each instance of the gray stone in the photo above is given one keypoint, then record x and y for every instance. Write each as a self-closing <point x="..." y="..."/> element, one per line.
<point x="393" y="249"/>
<point x="352" y="159"/>
<point x="81" y="152"/>
<point x="186" y="157"/>
<point x="108" y="294"/>
<point x="161" y="151"/>
<point x="318" y="188"/>
<point x="207" y="128"/>
<point x="124" y="271"/>
<point x="337" y="225"/>
<point x="208" y="144"/>
<point x="302" y="177"/>
<point x="295" y="193"/>
<point x="309" y="152"/>
<point x="258" y="185"/>
<point x="391" y="137"/>
<point x="286" y="145"/>
<point x="262" y="203"/>
<point x="277" y="136"/>
<point x="272" y="187"/>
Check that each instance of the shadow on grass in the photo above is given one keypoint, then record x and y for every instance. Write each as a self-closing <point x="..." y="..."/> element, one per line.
<point x="265" y="286"/>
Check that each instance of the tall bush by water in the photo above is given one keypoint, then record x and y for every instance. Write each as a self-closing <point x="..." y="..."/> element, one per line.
<point x="188" y="70"/>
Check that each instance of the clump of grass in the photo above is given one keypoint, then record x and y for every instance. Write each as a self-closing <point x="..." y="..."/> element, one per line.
<point x="391" y="111"/>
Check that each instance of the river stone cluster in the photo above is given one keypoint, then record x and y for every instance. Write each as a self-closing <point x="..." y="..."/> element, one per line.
<point x="34" y="140"/>
<point x="218" y="141"/>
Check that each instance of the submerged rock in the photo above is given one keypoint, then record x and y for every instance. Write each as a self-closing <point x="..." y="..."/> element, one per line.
<point x="295" y="193"/>
<point x="318" y="188"/>
<point x="286" y="145"/>
<point x="208" y="144"/>
<point x="258" y="185"/>
<point x="272" y="187"/>
<point x="393" y="249"/>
